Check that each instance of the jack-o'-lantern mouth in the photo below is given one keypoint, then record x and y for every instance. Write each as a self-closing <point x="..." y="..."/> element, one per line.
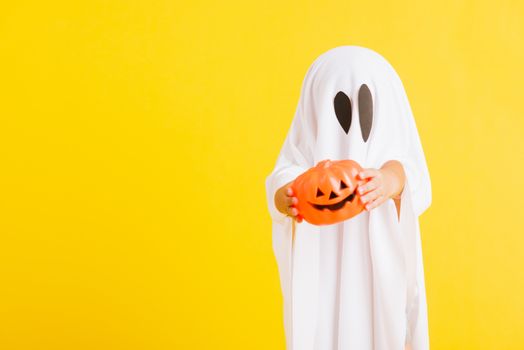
<point x="335" y="206"/>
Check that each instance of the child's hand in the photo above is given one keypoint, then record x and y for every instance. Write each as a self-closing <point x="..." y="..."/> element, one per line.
<point x="382" y="185"/>
<point x="285" y="201"/>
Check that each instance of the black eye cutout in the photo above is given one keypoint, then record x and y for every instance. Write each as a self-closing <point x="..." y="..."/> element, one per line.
<point x="319" y="193"/>
<point x="365" y="111"/>
<point x="342" y="105"/>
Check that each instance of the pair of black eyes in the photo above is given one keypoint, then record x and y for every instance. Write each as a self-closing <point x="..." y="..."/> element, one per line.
<point x="332" y="194"/>
<point x="343" y="110"/>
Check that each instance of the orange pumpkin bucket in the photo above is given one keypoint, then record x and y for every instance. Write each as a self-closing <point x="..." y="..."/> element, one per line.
<point x="327" y="193"/>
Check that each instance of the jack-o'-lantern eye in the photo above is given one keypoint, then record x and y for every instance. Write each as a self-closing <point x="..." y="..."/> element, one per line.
<point x="343" y="185"/>
<point x="319" y="193"/>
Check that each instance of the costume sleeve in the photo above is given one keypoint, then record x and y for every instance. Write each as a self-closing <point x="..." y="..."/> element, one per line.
<point x="291" y="162"/>
<point x="415" y="167"/>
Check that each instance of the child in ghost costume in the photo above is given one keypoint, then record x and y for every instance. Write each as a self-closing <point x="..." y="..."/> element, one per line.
<point x="357" y="284"/>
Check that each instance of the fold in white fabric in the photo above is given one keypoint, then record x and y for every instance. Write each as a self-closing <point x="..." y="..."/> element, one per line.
<point x="358" y="284"/>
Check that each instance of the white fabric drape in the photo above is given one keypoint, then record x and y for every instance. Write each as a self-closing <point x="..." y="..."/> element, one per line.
<point x="358" y="284"/>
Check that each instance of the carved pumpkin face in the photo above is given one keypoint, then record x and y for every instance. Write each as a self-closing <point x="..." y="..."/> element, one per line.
<point x="327" y="192"/>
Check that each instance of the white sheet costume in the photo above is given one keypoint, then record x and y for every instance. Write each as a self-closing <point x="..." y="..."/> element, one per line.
<point x="358" y="284"/>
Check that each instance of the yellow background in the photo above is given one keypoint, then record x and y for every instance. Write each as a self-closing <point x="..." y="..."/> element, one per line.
<point x="135" y="138"/>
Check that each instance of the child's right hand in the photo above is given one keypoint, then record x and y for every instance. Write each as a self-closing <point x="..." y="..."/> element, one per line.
<point x="285" y="201"/>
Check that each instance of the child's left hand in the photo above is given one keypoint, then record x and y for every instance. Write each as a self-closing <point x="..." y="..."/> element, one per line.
<point x="380" y="187"/>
